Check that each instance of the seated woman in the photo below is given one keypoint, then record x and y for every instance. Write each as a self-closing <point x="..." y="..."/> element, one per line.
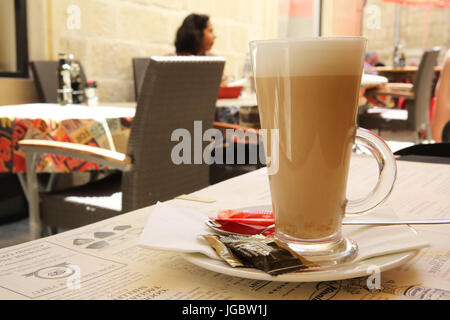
<point x="441" y="117"/>
<point x="195" y="36"/>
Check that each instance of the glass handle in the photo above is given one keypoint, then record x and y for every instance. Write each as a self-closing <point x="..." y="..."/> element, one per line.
<point x="387" y="173"/>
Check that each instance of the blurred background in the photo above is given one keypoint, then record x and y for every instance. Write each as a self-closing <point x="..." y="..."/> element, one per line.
<point x="105" y="34"/>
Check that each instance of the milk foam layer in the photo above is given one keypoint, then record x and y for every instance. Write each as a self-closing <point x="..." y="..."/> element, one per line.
<point x="308" y="57"/>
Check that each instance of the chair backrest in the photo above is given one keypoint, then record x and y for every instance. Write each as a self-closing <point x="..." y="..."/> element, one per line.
<point x="139" y="67"/>
<point x="45" y="74"/>
<point x="176" y="92"/>
<point x="418" y="111"/>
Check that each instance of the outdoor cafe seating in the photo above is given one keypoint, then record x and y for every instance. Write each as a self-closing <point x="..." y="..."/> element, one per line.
<point x="223" y="154"/>
<point x="170" y="99"/>
<point x="418" y="96"/>
<point x="230" y="145"/>
<point x="139" y="67"/>
<point x="46" y="81"/>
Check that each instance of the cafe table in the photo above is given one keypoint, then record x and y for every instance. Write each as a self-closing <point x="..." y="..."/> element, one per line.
<point x="400" y="74"/>
<point x="105" y="126"/>
<point x="104" y="261"/>
<point x="405" y="74"/>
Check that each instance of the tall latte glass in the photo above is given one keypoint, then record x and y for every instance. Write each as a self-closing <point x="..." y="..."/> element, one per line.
<point x="307" y="91"/>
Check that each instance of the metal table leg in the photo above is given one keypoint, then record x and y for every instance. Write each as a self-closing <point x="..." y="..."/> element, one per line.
<point x="33" y="197"/>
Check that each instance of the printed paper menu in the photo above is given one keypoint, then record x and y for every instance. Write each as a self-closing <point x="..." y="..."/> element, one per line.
<point x="103" y="261"/>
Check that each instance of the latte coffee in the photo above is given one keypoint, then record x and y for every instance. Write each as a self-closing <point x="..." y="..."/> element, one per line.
<point x="316" y="122"/>
<point x="309" y="90"/>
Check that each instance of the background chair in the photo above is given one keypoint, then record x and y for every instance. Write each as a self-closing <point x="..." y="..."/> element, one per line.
<point x="45" y="74"/>
<point x="140" y="65"/>
<point x="250" y="159"/>
<point x="218" y="172"/>
<point x="440" y="125"/>
<point x="416" y="117"/>
<point x="175" y="93"/>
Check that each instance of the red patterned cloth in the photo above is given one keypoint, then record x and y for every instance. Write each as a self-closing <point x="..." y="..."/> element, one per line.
<point x="53" y="122"/>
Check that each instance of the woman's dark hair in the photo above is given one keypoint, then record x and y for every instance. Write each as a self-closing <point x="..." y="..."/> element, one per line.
<point x="189" y="36"/>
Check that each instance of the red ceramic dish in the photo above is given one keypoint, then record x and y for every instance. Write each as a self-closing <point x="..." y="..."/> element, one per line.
<point x="229" y="92"/>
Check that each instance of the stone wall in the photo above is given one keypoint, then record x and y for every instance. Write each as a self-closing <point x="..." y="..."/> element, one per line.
<point x="413" y="28"/>
<point x="109" y="33"/>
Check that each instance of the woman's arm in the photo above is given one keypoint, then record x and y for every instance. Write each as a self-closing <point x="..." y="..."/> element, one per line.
<point x="442" y="108"/>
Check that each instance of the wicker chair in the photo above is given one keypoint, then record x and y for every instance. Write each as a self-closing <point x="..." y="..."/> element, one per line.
<point x="45" y="74"/>
<point x="175" y="93"/>
<point x="250" y="144"/>
<point x="218" y="172"/>
<point x="418" y="96"/>
<point x="140" y="65"/>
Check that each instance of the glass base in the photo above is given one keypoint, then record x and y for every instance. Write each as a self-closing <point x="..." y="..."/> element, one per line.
<point x="323" y="253"/>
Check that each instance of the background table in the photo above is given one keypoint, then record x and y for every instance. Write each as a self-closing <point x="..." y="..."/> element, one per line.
<point x="106" y="127"/>
<point x="398" y="74"/>
<point x="368" y="82"/>
<point x="406" y="74"/>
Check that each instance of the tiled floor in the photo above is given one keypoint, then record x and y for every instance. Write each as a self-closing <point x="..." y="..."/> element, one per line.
<point x="17" y="232"/>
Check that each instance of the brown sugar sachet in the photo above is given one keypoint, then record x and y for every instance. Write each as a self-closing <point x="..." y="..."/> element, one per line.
<point x="256" y="251"/>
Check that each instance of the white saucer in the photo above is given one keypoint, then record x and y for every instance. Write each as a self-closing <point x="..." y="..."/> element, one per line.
<point x="345" y="271"/>
<point x="339" y="272"/>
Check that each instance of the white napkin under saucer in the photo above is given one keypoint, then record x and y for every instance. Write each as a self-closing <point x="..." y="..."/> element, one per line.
<point x="179" y="229"/>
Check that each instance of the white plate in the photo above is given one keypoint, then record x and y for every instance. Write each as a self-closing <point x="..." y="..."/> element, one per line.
<point x="344" y="271"/>
<point x="347" y="271"/>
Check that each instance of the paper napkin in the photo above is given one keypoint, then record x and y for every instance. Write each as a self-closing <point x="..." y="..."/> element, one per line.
<point x="180" y="229"/>
<point x="177" y="229"/>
